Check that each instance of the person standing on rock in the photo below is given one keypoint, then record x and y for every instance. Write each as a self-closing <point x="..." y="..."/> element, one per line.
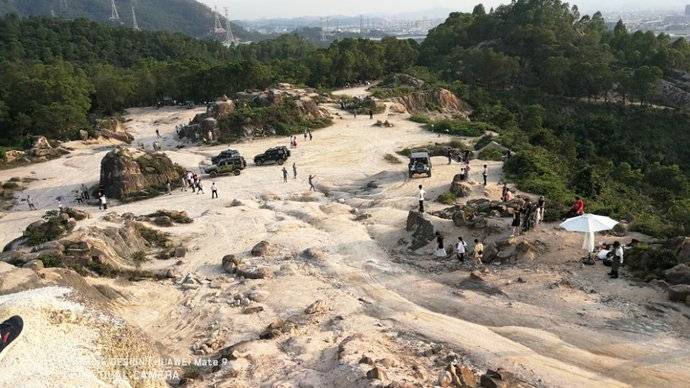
<point x="285" y="175"/>
<point x="541" y="208"/>
<point x="460" y="249"/>
<point x="420" y="197"/>
<point x="214" y="190"/>
<point x="516" y="222"/>
<point x="311" y="182"/>
<point x="158" y="134"/>
<point x="294" y="170"/>
<point x="478" y="252"/>
<point x="617" y="260"/>
<point x="59" y="201"/>
<point x="103" y="202"/>
<point x="485" y="173"/>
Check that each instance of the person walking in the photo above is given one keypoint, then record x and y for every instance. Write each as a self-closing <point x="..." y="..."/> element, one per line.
<point x="485" y="173"/>
<point x="354" y="112"/>
<point x="371" y="114"/>
<point x="460" y="249"/>
<point x="214" y="190"/>
<point x="199" y="187"/>
<point x="478" y="252"/>
<point x="305" y="135"/>
<point x="30" y="203"/>
<point x="450" y="156"/>
<point x="420" y="197"/>
<point x="103" y="202"/>
<point x="158" y="134"/>
<point x="294" y="170"/>
<point x="285" y="175"/>
<point x="310" y="135"/>
<point x="168" y="186"/>
<point x="84" y="192"/>
<point x="617" y="260"/>
<point x="311" y="182"/>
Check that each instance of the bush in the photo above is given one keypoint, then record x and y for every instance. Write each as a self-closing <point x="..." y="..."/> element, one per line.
<point x="447" y="198"/>
<point x="458" y="127"/>
<point x="51" y="261"/>
<point x="483" y="142"/>
<point x="491" y="154"/>
<point x="390" y="158"/>
<point x="420" y="118"/>
<point x="139" y="257"/>
<point x="646" y="260"/>
<point x="152" y="236"/>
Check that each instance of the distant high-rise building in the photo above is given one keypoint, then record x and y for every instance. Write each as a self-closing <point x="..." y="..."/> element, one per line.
<point x="687" y="10"/>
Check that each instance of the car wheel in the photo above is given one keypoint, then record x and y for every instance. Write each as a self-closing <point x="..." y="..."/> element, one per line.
<point x="281" y="161"/>
<point x="257" y="162"/>
<point x="429" y="174"/>
<point x="213" y="174"/>
<point x="236" y="172"/>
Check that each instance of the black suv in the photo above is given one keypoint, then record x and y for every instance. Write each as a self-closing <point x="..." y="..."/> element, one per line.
<point x="227" y="154"/>
<point x="277" y="155"/>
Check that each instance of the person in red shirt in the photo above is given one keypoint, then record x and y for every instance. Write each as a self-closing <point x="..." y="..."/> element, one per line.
<point x="577" y="209"/>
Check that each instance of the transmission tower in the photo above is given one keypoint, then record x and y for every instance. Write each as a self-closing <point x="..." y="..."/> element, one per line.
<point x="135" y="25"/>
<point x="115" y="16"/>
<point x="217" y="26"/>
<point x="230" y="39"/>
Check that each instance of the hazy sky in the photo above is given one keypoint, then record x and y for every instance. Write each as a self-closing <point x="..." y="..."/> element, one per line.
<point x="256" y="9"/>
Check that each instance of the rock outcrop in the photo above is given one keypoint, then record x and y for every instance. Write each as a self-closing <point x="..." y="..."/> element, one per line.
<point x="421" y="228"/>
<point x="439" y="101"/>
<point x="459" y="187"/>
<point x="113" y="129"/>
<point x="679" y="274"/>
<point x="127" y="175"/>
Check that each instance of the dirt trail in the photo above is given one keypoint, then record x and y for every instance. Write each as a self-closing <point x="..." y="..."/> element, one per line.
<point x="552" y="336"/>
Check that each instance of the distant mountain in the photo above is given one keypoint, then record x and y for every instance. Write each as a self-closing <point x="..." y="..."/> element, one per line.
<point x="185" y="16"/>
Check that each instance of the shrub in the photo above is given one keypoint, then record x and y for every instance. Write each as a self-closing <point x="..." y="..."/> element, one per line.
<point x="139" y="257"/>
<point x="491" y="154"/>
<point x="390" y="158"/>
<point x="447" y="198"/>
<point x="483" y="142"/>
<point x="420" y="118"/>
<point x="51" y="261"/>
<point x="152" y="236"/>
<point x="646" y="260"/>
<point x="457" y="127"/>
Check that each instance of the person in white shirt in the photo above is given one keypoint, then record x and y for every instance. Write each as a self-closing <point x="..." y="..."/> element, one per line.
<point x="103" y="203"/>
<point x="617" y="260"/>
<point x="421" y="199"/>
<point x="460" y="249"/>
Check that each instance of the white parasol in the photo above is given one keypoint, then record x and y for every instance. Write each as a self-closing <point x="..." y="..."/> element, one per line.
<point x="588" y="224"/>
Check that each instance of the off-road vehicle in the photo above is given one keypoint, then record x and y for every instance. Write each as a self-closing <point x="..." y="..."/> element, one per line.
<point x="227" y="154"/>
<point x="277" y="155"/>
<point x="420" y="163"/>
<point x="232" y="166"/>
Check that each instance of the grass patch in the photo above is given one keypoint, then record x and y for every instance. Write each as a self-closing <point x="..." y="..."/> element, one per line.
<point x="139" y="257"/>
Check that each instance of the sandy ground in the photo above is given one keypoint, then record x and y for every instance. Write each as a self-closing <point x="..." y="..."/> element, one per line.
<point x="561" y="325"/>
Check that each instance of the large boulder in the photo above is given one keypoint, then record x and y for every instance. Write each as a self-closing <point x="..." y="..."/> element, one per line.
<point x="11" y="156"/>
<point x="127" y="175"/>
<point x="679" y="274"/>
<point x="421" y="228"/>
<point x="436" y="100"/>
<point x="679" y="293"/>
<point x="459" y="187"/>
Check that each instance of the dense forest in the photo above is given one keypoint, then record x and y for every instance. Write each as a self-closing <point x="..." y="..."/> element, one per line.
<point x="570" y="96"/>
<point x="185" y="16"/>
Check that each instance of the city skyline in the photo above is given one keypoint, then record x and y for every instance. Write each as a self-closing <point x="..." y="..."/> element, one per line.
<point x="261" y="9"/>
